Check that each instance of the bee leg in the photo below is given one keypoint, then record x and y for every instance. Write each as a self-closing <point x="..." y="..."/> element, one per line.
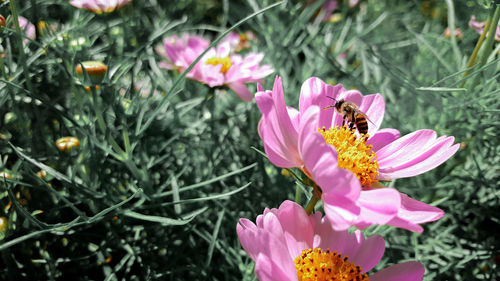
<point x="353" y="121"/>
<point x="343" y="120"/>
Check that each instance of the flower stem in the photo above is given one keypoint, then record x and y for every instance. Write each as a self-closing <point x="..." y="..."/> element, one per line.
<point x="100" y="119"/>
<point x="451" y="26"/>
<point x="22" y="55"/>
<point x="488" y="45"/>
<point x="298" y="194"/>
<point x="311" y="204"/>
<point x="472" y="59"/>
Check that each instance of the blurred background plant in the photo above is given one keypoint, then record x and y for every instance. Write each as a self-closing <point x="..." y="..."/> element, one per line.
<point x="155" y="169"/>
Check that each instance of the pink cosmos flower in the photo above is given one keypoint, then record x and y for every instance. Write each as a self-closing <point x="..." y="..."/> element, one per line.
<point x="220" y="66"/>
<point x="28" y="28"/>
<point x="479" y="26"/>
<point x="348" y="167"/>
<point x="99" y="6"/>
<point x="286" y="244"/>
<point x="328" y="8"/>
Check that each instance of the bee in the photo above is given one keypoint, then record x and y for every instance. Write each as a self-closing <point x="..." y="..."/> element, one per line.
<point x="350" y="111"/>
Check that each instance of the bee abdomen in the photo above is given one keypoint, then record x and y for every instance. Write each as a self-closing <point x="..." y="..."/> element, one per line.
<point x="361" y="124"/>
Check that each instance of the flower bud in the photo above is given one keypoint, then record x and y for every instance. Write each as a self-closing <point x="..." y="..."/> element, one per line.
<point x="4" y="175"/>
<point x="41" y="174"/>
<point x="4" y="222"/>
<point x="65" y="144"/>
<point x="2" y="21"/>
<point x="95" y="70"/>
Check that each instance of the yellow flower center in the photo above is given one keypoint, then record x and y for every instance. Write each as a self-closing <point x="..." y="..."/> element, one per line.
<point x="318" y="265"/>
<point x="226" y="63"/>
<point x="353" y="153"/>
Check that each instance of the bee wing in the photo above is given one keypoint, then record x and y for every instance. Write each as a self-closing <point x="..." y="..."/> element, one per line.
<point x="364" y="115"/>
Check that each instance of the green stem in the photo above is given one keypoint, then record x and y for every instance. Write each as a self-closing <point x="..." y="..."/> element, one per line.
<point x="138" y="174"/>
<point x="22" y="55"/>
<point x="472" y="59"/>
<point x="102" y="124"/>
<point x="212" y="105"/>
<point x="126" y="142"/>
<point x="451" y="26"/>
<point x="100" y="119"/>
<point x="298" y="194"/>
<point x="2" y="68"/>
<point x="488" y="46"/>
<point x="311" y="204"/>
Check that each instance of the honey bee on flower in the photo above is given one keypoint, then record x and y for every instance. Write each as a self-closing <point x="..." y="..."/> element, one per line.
<point x="348" y="168"/>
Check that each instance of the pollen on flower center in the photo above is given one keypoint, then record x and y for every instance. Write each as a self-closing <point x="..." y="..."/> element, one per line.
<point x="226" y="63"/>
<point x="318" y="265"/>
<point x="353" y="153"/>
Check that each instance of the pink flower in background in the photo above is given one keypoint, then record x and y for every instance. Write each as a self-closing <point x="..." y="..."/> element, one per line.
<point x="353" y="3"/>
<point x="28" y="28"/>
<point x="458" y="33"/>
<point x="346" y="166"/>
<point x="479" y="26"/>
<point x="239" y="41"/>
<point x="287" y="244"/>
<point x="220" y="66"/>
<point x="99" y="6"/>
<point x="328" y="8"/>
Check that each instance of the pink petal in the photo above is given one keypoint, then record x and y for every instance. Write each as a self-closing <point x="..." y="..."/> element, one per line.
<point x="267" y="269"/>
<point x="370" y="253"/>
<point x="275" y="156"/>
<point x="223" y="49"/>
<point x="264" y="246"/>
<point x="297" y="228"/>
<point x="320" y="159"/>
<point x="353" y="244"/>
<point x="414" y="154"/>
<point x="378" y="206"/>
<point x="325" y="237"/>
<point x="316" y="92"/>
<point x="382" y="138"/>
<point x="241" y="90"/>
<point x="408" y="271"/>
<point x="409" y="144"/>
<point x="340" y="187"/>
<point x="340" y="211"/>
<point x="247" y="234"/>
<point x="271" y="224"/>
<point x="413" y="212"/>
<point x="276" y="129"/>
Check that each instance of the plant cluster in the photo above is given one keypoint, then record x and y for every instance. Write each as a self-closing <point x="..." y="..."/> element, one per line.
<point x="244" y="140"/>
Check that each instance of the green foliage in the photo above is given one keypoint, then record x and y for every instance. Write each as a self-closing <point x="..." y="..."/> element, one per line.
<point x="165" y="166"/>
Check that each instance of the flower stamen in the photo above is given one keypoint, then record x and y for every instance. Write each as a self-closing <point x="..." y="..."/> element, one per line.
<point x="318" y="265"/>
<point x="226" y="63"/>
<point x="353" y="153"/>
